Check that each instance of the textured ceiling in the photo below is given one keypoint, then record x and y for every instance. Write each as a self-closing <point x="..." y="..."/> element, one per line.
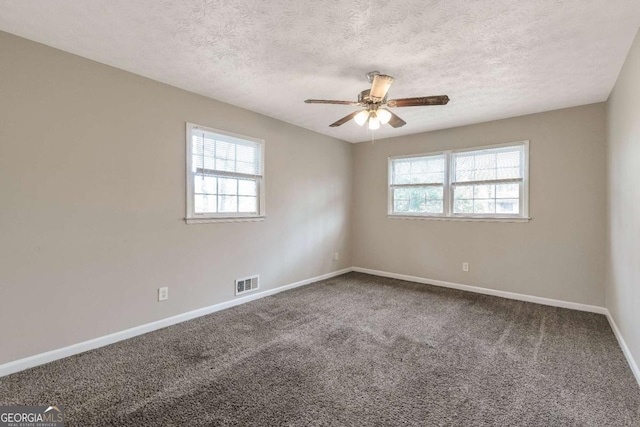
<point x="494" y="58"/>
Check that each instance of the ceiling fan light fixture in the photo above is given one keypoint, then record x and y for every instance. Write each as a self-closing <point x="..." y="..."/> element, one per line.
<point x="361" y="117"/>
<point x="373" y="99"/>
<point x="374" y="123"/>
<point x="383" y="115"/>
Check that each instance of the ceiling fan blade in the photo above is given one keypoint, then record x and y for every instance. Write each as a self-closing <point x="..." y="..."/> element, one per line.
<point x="396" y="121"/>
<point x="344" y="120"/>
<point x="379" y="87"/>
<point x="329" y="101"/>
<point x="416" y="102"/>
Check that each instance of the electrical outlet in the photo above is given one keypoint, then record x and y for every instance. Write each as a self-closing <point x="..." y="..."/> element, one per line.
<point x="465" y="266"/>
<point x="163" y="293"/>
<point x="336" y="256"/>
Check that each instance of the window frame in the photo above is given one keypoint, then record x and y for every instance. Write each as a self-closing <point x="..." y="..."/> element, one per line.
<point x="448" y="187"/>
<point x="392" y="186"/>
<point x="199" y="218"/>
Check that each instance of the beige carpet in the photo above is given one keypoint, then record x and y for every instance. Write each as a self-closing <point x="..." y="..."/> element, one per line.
<point x="356" y="350"/>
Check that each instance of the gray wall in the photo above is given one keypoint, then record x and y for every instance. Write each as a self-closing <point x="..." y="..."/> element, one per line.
<point x="93" y="198"/>
<point x="560" y="254"/>
<point x="623" y="272"/>
<point x="92" y="187"/>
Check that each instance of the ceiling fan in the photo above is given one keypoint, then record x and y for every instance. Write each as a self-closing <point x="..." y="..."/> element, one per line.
<point x="375" y="99"/>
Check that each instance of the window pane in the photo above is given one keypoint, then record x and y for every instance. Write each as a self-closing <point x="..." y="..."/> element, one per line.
<point x="401" y="206"/>
<point x="508" y="159"/>
<point x="225" y="153"/>
<point x="435" y="193"/>
<point x="246" y="154"/>
<point x="484" y="160"/>
<point x="202" y="150"/>
<point x="196" y="162"/>
<point x="508" y="206"/>
<point x="228" y="186"/>
<point x="465" y="163"/>
<point x="198" y="204"/>
<point x="483" y="206"/>
<point x="207" y="162"/>
<point x="489" y="164"/>
<point x="484" y="191"/>
<point x="247" y="187"/>
<point x="402" y="193"/>
<point x="223" y="165"/>
<point x="463" y="206"/>
<point x="507" y="191"/>
<point x="484" y="174"/>
<point x="418" y="178"/>
<point x="418" y="170"/>
<point x="245" y="167"/>
<point x="464" y="192"/>
<point x="418" y="199"/>
<point x="402" y="179"/>
<point x="225" y="150"/>
<point x="419" y="166"/>
<point x="204" y="203"/>
<point x="247" y="204"/>
<point x="435" y="206"/>
<point x="487" y="198"/>
<point x="464" y="176"/>
<point x="435" y="164"/>
<point x="402" y="167"/>
<point x="228" y="203"/>
<point x="203" y="184"/>
<point x="509" y="173"/>
<point x="432" y="177"/>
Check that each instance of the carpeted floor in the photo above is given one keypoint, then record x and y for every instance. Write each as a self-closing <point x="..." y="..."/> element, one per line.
<point x="356" y="350"/>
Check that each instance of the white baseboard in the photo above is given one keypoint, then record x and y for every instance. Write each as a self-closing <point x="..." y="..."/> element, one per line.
<point x="624" y="347"/>
<point x="50" y="356"/>
<point x="486" y="291"/>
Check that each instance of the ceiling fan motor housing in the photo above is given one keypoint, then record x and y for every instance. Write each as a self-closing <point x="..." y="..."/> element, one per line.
<point x="365" y="99"/>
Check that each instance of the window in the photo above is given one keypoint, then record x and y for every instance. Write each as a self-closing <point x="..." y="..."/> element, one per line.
<point x="224" y="176"/>
<point x="484" y="182"/>
<point x="417" y="184"/>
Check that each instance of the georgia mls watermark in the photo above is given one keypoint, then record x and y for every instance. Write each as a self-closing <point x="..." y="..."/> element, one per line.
<point x="31" y="416"/>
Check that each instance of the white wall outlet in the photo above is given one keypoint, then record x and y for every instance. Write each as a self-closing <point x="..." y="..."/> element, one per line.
<point x="163" y="294"/>
<point x="465" y="266"/>
<point x="336" y="256"/>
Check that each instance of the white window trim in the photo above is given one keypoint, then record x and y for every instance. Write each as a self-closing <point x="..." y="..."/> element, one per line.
<point x="445" y="186"/>
<point x="448" y="214"/>
<point x="196" y="218"/>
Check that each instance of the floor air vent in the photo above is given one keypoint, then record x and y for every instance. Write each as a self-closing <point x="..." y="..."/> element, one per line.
<point x="246" y="285"/>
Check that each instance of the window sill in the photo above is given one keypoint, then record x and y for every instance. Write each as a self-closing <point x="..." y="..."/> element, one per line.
<point x="191" y="221"/>
<point x="460" y="218"/>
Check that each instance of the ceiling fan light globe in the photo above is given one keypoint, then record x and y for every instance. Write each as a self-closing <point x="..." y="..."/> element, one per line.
<point x="384" y="116"/>
<point x="374" y="123"/>
<point x="361" y="117"/>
